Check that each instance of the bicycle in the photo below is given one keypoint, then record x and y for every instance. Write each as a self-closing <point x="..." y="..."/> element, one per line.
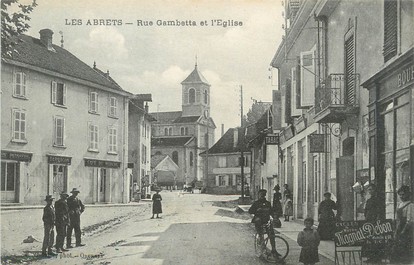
<point x="263" y="247"/>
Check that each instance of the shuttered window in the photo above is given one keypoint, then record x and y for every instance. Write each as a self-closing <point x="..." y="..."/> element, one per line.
<point x="390" y="29"/>
<point x="288" y="118"/>
<point x="350" y="69"/>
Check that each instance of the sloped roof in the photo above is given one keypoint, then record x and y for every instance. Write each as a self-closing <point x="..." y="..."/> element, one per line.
<point x="32" y="52"/>
<point x="226" y="143"/>
<point x="163" y="162"/>
<point x="170" y="141"/>
<point x="195" y="77"/>
<point x="186" y="119"/>
<point x="166" y="117"/>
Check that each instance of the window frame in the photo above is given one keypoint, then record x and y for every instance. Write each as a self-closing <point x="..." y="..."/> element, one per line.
<point x="55" y="135"/>
<point x="112" y="108"/>
<point x="54" y="94"/>
<point x="94" y="103"/>
<point x="93" y="137"/>
<point x="112" y="140"/>
<point x="13" y="129"/>
<point x="23" y="84"/>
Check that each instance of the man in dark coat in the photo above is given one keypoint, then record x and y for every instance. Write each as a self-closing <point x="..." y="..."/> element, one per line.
<point x="62" y="221"/>
<point x="372" y="213"/>
<point x="262" y="210"/>
<point x="76" y="208"/>
<point x="48" y="223"/>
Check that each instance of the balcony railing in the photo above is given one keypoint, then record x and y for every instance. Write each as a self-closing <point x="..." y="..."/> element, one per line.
<point x="338" y="90"/>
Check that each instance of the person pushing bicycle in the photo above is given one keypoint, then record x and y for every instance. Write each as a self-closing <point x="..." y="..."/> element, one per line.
<point x="262" y="210"/>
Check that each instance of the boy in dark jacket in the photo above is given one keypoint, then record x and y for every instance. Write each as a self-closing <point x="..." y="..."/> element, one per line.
<point x="48" y="223"/>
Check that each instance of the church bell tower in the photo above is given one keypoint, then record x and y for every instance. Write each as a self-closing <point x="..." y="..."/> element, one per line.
<point x="196" y="94"/>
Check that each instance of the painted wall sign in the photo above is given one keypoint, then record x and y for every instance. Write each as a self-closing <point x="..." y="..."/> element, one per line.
<point x="18" y="156"/>
<point x="101" y="163"/>
<point x="359" y="233"/>
<point x="66" y="160"/>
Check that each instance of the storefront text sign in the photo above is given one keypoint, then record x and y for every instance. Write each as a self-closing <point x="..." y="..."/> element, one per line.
<point x="359" y="233"/>
<point x="405" y="76"/>
<point x="272" y="139"/>
<point x="51" y="159"/>
<point x="101" y="163"/>
<point x="17" y="156"/>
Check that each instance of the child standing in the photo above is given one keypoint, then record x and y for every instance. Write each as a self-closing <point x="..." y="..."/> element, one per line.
<point x="309" y="240"/>
<point x="156" y="203"/>
<point x="288" y="210"/>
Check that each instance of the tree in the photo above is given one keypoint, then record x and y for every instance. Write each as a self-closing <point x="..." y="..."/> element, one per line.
<point x="255" y="112"/>
<point x="13" y="23"/>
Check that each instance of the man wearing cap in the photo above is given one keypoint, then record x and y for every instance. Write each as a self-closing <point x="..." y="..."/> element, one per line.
<point x="62" y="221"/>
<point x="48" y="223"/>
<point x="76" y="208"/>
<point x="262" y="210"/>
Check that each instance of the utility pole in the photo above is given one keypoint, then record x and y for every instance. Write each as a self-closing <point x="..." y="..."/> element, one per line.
<point x="242" y="144"/>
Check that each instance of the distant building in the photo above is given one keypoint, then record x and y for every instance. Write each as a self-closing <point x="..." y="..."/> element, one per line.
<point x="139" y="145"/>
<point x="164" y="171"/>
<point x="224" y="163"/>
<point x="184" y="134"/>
<point x="63" y="126"/>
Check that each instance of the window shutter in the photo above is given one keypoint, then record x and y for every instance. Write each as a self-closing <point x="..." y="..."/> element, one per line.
<point x="390" y="29"/>
<point x="217" y="181"/>
<point x="115" y="106"/>
<point x="307" y="72"/>
<point x="288" y="118"/>
<point x="64" y="95"/>
<point x="54" y="91"/>
<point x="294" y="96"/>
<point x="350" y="69"/>
<point x="23" y="84"/>
<point x="97" y="102"/>
<point x="15" y="82"/>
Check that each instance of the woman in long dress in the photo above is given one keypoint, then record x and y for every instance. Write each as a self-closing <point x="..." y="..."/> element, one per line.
<point x="277" y="205"/>
<point x="326" y="227"/>
<point x="156" y="204"/>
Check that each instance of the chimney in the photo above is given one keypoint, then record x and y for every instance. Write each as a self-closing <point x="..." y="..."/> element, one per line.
<point x="146" y="107"/>
<point x="222" y="130"/>
<point x="46" y="38"/>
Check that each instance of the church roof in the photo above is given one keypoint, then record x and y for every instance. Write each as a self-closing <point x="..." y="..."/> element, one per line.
<point x="195" y="77"/>
<point x="186" y="119"/>
<point x="166" y="117"/>
<point x="225" y="144"/>
<point x="170" y="141"/>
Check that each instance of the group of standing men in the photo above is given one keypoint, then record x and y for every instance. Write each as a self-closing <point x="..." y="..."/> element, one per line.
<point x="65" y="215"/>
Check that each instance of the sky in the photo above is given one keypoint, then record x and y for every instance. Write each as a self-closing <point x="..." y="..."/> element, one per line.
<point x="156" y="59"/>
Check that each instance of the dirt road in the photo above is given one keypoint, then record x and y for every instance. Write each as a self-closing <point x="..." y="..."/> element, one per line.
<point x="192" y="230"/>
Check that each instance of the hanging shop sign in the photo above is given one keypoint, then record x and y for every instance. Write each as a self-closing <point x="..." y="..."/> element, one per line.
<point x="317" y="143"/>
<point x="17" y="156"/>
<point x="53" y="159"/>
<point x="272" y="139"/>
<point x="101" y="163"/>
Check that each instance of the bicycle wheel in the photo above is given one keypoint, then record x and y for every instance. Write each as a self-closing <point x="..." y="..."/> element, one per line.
<point x="282" y="247"/>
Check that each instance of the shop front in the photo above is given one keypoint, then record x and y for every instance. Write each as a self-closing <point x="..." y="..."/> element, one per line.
<point x="13" y="167"/>
<point x="102" y="173"/>
<point x="391" y="121"/>
<point x="58" y="173"/>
